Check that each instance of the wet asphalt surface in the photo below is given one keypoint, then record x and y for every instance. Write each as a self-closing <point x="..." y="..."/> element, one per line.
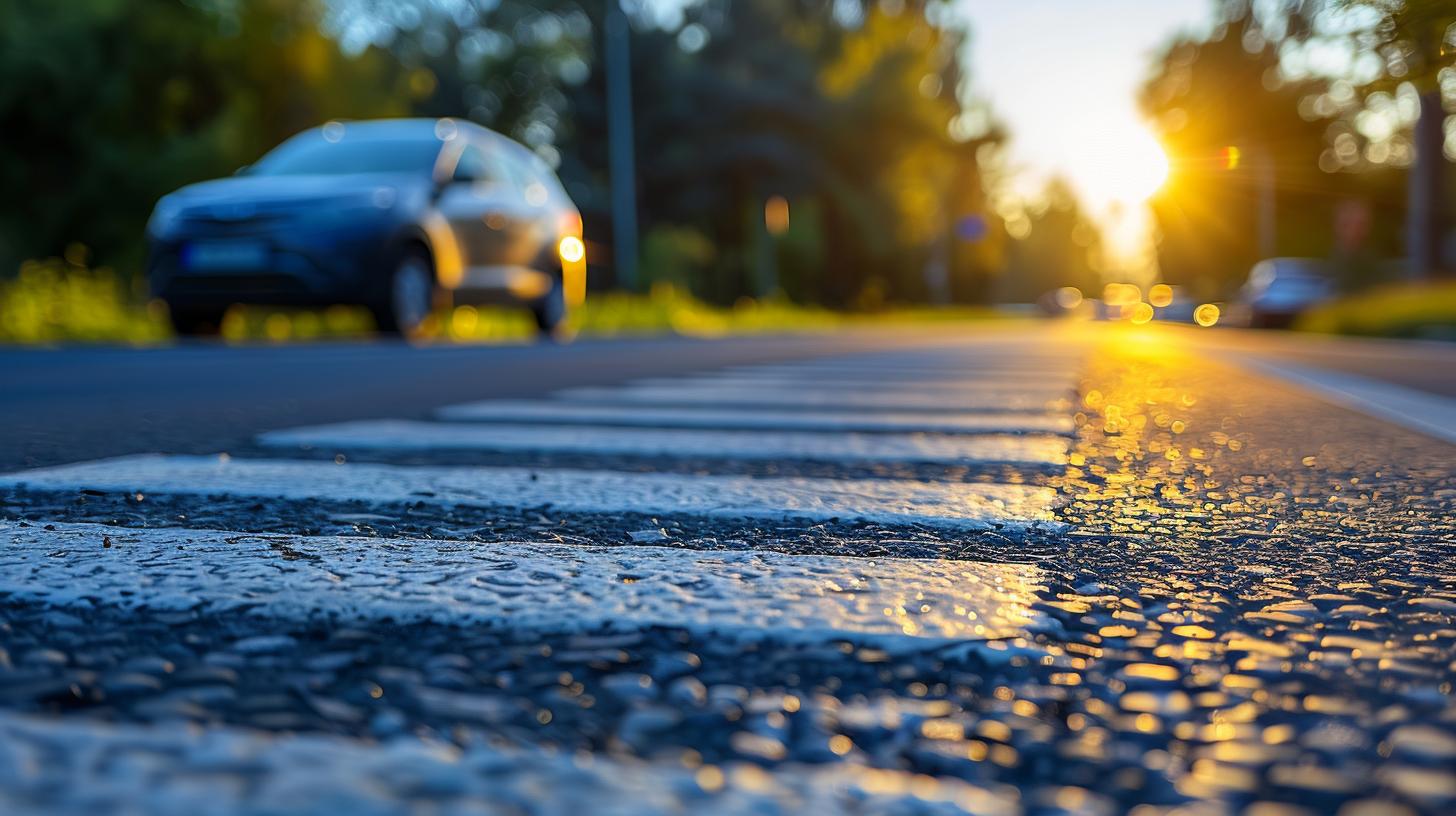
<point x="1251" y="609"/>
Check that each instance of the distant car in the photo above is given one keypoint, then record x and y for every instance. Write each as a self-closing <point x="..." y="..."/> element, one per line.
<point x="1279" y="289"/>
<point x="397" y="215"/>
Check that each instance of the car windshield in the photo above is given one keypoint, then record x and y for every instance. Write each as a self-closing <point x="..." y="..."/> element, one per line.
<point x="314" y="155"/>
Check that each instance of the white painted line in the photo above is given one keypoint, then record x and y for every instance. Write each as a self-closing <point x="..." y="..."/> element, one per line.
<point x="754" y="419"/>
<point x="1001" y="382"/>
<point x="896" y="399"/>
<point x="1430" y="414"/>
<point x="948" y="505"/>
<point x="81" y="766"/>
<point x="963" y="374"/>
<point x="675" y="443"/>
<point x="526" y="587"/>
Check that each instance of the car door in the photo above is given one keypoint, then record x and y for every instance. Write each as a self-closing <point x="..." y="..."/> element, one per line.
<point x="481" y="204"/>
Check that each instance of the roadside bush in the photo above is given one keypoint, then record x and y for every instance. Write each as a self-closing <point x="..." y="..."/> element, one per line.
<point x="1419" y="310"/>
<point x="59" y="300"/>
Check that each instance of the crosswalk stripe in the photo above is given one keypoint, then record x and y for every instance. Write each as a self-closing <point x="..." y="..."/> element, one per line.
<point x="947" y="505"/>
<point x="85" y="765"/>
<point x="895" y="602"/>
<point x="755" y="419"/>
<point x="1001" y="382"/>
<point x="1026" y="399"/>
<point x="1011" y="368"/>
<point x="676" y="443"/>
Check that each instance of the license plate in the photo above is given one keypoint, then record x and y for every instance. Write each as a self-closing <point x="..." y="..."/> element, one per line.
<point x="219" y="256"/>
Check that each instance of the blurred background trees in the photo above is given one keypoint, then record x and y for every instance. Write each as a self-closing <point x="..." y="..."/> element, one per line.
<point x="1307" y="128"/>
<point x="845" y="112"/>
<point x="109" y="104"/>
<point x="825" y="150"/>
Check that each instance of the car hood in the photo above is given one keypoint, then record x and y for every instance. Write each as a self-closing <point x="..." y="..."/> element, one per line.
<point x="290" y="192"/>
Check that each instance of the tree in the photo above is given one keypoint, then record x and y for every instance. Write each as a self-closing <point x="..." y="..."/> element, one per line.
<point x="1415" y="42"/>
<point x="1246" y="177"/>
<point x="1060" y="248"/>
<point x="110" y="104"/>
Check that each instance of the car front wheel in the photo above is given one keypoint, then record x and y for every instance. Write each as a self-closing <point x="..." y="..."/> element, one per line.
<point x="410" y="297"/>
<point x="196" y="322"/>
<point x="550" y="313"/>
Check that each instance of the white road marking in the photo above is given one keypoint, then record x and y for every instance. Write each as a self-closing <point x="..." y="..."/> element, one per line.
<point x="787" y="396"/>
<point x="527" y="587"/>
<point x="675" y="443"/>
<point x="1430" y="414"/>
<point x="1001" y="383"/>
<point x="754" y="419"/>
<point x="85" y="766"/>
<point x="949" y="505"/>
<point x="965" y="375"/>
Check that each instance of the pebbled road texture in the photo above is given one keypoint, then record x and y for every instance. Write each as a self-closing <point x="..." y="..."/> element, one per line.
<point x="1251" y="608"/>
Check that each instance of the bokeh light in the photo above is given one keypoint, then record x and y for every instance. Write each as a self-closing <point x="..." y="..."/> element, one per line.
<point x="776" y="215"/>
<point x="1206" y="315"/>
<point x="572" y="249"/>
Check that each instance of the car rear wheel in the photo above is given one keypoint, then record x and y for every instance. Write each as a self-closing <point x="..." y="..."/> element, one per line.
<point x="196" y="322"/>
<point x="410" y="297"/>
<point x="550" y="313"/>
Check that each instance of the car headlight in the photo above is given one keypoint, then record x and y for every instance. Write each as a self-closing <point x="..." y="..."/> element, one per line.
<point x="163" y="215"/>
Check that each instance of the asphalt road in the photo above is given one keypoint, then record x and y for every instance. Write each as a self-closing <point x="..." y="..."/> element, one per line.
<point x="1021" y="568"/>
<point x="83" y="403"/>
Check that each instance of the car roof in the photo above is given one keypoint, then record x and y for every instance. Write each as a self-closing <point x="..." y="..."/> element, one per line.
<point x="414" y="128"/>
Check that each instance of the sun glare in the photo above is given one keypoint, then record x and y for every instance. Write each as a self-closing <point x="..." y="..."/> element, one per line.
<point x="1125" y="168"/>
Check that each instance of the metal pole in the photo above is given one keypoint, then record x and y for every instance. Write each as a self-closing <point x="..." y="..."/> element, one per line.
<point x="1423" y="190"/>
<point x="621" y="164"/>
<point x="1268" y="206"/>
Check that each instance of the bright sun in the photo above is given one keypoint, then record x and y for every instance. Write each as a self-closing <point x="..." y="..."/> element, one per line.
<point x="1124" y="167"/>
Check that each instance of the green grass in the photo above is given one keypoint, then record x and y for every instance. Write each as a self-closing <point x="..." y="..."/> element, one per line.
<point x="1423" y="309"/>
<point x="56" y="302"/>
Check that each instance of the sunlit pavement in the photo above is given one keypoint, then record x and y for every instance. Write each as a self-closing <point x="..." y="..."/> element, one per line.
<point x="1179" y="585"/>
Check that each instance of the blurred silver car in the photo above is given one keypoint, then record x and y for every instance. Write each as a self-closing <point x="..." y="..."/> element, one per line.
<point x="399" y="215"/>
<point x="1279" y="289"/>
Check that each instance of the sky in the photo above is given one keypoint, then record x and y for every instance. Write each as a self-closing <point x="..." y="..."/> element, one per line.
<point x="1062" y="76"/>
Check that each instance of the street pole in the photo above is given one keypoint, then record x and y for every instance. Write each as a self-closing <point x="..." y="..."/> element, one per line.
<point x="1423" y="190"/>
<point x="621" y="163"/>
<point x="1268" y="207"/>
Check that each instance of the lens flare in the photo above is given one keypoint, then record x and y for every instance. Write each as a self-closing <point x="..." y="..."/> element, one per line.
<point x="572" y="249"/>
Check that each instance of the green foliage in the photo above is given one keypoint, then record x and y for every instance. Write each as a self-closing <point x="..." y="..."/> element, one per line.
<point x="1421" y="310"/>
<point x="109" y="104"/>
<point x="54" y="302"/>
<point x="677" y="256"/>
<point x="1060" y="250"/>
